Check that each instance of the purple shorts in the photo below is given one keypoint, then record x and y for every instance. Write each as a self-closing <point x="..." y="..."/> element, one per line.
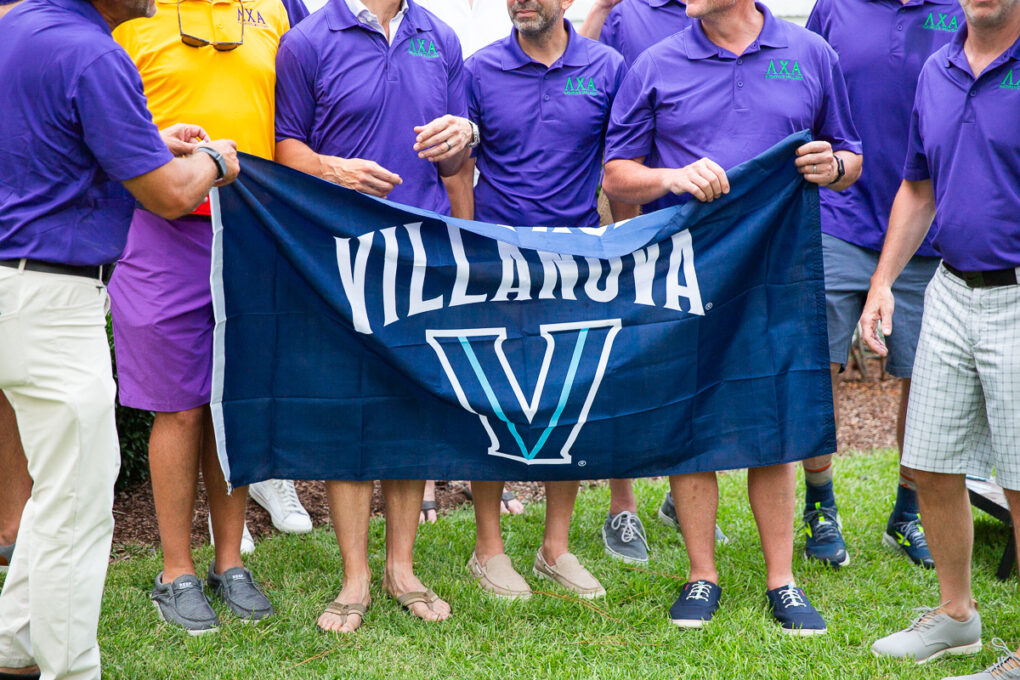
<point x="162" y="314"/>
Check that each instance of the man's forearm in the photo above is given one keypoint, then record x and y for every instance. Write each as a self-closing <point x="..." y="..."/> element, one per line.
<point x="596" y="19"/>
<point x="909" y="222"/>
<point x="448" y="167"/>
<point x="460" y="188"/>
<point x="298" y="155"/>
<point x="630" y="181"/>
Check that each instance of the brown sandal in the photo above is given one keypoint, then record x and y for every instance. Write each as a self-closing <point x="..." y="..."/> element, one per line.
<point x="343" y="610"/>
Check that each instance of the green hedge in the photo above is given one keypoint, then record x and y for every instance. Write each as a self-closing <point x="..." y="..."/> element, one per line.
<point x="133" y="426"/>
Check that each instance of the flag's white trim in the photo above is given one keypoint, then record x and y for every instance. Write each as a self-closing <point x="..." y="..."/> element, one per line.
<point x="219" y="339"/>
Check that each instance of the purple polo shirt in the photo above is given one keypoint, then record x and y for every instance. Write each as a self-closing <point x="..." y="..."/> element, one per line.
<point x="343" y="91"/>
<point x="74" y="125"/>
<point x="635" y="25"/>
<point x="882" y="45"/>
<point x="965" y="137"/>
<point x="686" y="98"/>
<point x="296" y="11"/>
<point x="542" y="131"/>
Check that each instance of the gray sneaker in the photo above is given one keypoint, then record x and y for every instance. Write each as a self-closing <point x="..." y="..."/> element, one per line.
<point x="237" y="588"/>
<point x="667" y="515"/>
<point x="183" y="603"/>
<point x="931" y="635"/>
<point x="6" y="553"/>
<point x="624" y="538"/>
<point x="1006" y="668"/>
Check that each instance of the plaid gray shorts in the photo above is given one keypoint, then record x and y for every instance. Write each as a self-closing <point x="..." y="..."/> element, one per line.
<point x="964" y="411"/>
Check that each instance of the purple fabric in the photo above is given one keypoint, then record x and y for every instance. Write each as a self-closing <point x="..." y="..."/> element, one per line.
<point x="162" y="314"/>
<point x="686" y="98"/>
<point x="635" y="25"/>
<point x="74" y="125"/>
<point x="341" y="89"/>
<point x="296" y="11"/>
<point x="542" y="131"/>
<point x="882" y="45"/>
<point x="964" y="136"/>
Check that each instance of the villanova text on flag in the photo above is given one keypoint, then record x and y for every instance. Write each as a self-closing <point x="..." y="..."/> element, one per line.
<point x="361" y="339"/>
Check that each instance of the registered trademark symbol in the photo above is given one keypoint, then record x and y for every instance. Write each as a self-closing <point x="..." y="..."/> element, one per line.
<point x="708" y="305"/>
<point x="582" y="463"/>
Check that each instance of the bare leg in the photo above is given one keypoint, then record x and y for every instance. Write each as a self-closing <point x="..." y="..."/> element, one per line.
<point x="227" y="512"/>
<point x="350" y="506"/>
<point x="430" y="495"/>
<point x="488" y="536"/>
<point x="1013" y="498"/>
<point x="696" y="497"/>
<point x="174" y="447"/>
<point x="771" y="492"/>
<point x="906" y="474"/>
<point x="403" y="503"/>
<point x="621" y="496"/>
<point x="559" y="506"/>
<point x="949" y="528"/>
<point x="824" y="462"/>
<point x="15" y="484"/>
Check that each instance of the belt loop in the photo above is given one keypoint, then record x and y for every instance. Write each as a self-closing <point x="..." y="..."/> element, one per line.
<point x="21" y="265"/>
<point x="102" y="270"/>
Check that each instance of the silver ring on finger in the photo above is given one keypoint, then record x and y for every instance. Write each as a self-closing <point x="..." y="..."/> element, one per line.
<point x="449" y="147"/>
<point x="814" y="169"/>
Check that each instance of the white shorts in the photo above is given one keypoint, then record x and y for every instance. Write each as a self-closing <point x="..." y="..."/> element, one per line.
<point x="964" y="410"/>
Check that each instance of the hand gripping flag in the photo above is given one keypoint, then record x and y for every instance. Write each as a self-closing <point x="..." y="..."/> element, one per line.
<point x="361" y="339"/>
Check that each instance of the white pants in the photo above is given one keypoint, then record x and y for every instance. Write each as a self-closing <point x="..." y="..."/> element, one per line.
<point x="55" y="370"/>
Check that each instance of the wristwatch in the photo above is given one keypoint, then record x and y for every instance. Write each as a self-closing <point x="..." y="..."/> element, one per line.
<point x="840" y="170"/>
<point x="218" y="159"/>
<point x="476" y="139"/>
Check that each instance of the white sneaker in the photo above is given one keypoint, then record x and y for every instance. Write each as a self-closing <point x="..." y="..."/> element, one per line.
<point x="280" y="499"/>
<point x="247" y="542"/>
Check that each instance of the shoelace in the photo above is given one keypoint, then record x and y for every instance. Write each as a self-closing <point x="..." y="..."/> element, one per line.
<point x="913" y="532"/>
<point x="627" y="524"/>
<point x="288" y="497"/>
<point x="699" y="591"/>
<point x="822" y="522"/>
<point x="792" y="597"/>
<point x="1005" y="663"/>
<point x="926" y="618"/>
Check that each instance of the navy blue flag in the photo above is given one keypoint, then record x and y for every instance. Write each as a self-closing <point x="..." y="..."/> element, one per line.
<point x="361" y="339"/>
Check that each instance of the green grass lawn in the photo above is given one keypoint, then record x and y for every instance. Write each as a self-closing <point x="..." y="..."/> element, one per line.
<point x="627" y="635"/>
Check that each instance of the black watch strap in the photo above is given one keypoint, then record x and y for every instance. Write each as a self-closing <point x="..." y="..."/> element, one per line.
<point x="221" y="162"/>
<point x="840" y="170"/>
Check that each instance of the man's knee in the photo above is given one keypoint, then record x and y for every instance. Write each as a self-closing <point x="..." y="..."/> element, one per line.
<point x="190" y="420"/>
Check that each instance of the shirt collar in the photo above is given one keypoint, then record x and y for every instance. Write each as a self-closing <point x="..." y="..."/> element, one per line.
<point x="956" y="57"/>
<point x="343" y="14"/>
<point x="576" y="53"/>
<point x="663" y="3"/>
<point x="914" y="3"/>
<point x="85" y="10"/>
<point x="698" y="45"/>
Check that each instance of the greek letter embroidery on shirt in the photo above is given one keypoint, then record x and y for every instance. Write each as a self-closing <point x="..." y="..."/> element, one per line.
<point x="422" y="47"/>
<point x="933" y="24"/>
<point x="788" y="69"/>
<point x="252" y="17"/>
<point x="1009" y="82"/>
<point x="580" y="86"/>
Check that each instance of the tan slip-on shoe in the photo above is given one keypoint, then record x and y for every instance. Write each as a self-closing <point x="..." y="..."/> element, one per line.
<point x="499" y="577"/>
<point x="569" y="573"/>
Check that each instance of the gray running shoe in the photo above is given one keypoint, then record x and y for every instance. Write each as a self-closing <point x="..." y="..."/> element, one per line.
<point x="931" y="635"/>
<point x="1006" y="668"/>
<point x="667" y="515"/>
<point x="183" y="603"/>
<point x="237" y="588"/>
<point x="624" y="538"/>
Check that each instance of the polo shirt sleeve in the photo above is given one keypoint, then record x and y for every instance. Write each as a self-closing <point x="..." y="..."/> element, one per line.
<point x="915" y="168"/>
<point x="295" y="88"/>
<point x="632" y="118"/>
<point x="815" y="20"/>
<point x="456" y="94"/>
<point x="833" y="122"/>
<point x="296" y="11"/>
<point x="110" y="107"/>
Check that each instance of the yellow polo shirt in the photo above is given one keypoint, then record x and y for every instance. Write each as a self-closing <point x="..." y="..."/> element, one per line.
<point x="230" y="94"/>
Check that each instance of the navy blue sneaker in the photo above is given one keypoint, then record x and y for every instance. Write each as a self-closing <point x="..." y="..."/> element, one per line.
<point x="824" y="532"/>
<point x="696" y="604"/>
<point x="789" y="605"/>
<point x="905" y="534"/>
